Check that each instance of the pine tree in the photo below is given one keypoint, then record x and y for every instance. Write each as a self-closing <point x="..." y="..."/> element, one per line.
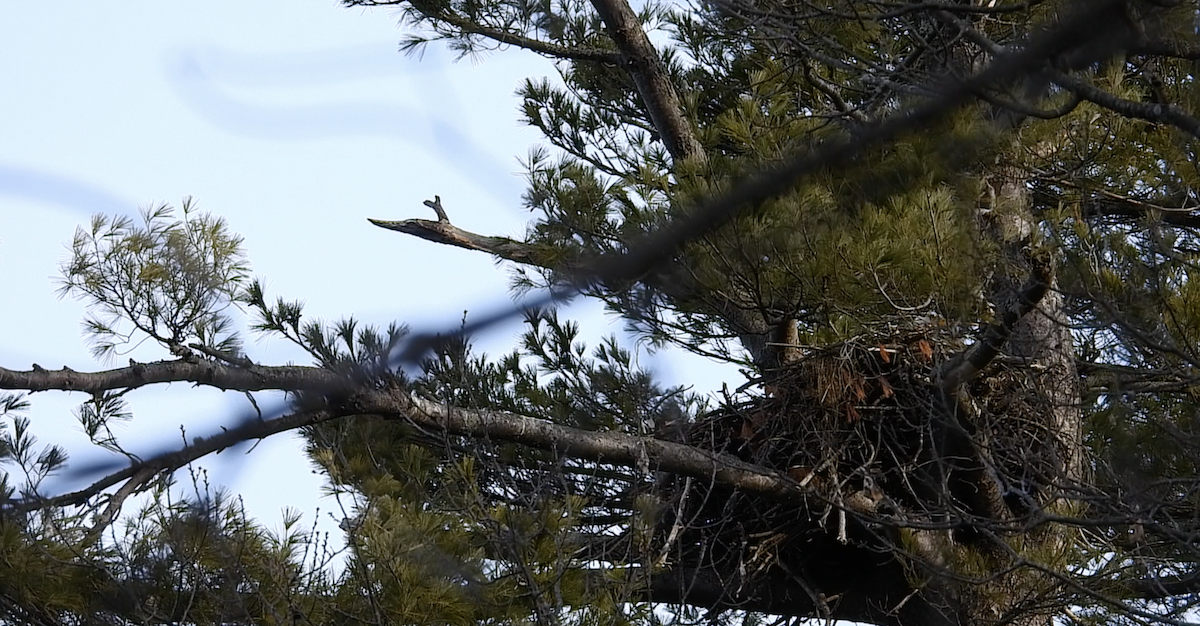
<point x="948" y="243"/>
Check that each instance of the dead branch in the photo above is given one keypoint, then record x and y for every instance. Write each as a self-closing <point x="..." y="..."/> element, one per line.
<point x="443" y="232"/>
<point x="752" y="329"/>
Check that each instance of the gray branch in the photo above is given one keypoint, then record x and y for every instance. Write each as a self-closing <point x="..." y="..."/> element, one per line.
<point x="208" y="373"/>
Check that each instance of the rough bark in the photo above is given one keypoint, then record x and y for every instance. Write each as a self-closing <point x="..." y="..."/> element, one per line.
<point x="205" y="372"/>
<point x="649" y="73"/>
<point x="344" y="398"/>
<point x="1043" y="338"/>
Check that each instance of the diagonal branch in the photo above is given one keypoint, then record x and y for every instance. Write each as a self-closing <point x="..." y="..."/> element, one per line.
<point x="395" y="403"/>
<point x="112" y="508"/>
<point x="968" y="363"/>
<point x="546" y="48"/>
<point x="606" y="447"/>
<point x="499" y="35"/>
<point x="170" y="461"/>
<point x="649" y="74"/>
<point x="1171" y="114"/>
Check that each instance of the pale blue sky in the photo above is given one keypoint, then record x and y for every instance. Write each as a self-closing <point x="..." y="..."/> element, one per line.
<point x="294" y="120"/>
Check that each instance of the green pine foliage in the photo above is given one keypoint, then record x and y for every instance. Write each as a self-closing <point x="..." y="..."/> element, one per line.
<point x="171" y="280"/>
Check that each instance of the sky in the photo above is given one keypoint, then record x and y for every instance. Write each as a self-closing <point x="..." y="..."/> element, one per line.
<point x="295" y="121"/>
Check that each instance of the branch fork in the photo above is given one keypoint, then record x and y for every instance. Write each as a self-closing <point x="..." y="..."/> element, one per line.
<point x="443" y="232"/>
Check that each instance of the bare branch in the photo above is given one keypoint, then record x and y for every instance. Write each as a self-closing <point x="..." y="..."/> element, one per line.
<point x="1136" y="210"/>
<point x="1165" y="587"/>
<point x="967" y="364"/>
<point x="112" y="508"/>
<point x="1121" y="378"/>
<point x="608" y="447"/>
<point x="750" y="326"/>
<point x="171" y="461"/>
<point x="1178" y="49"/>
<point x="443" y="232"/>
<point x="208" y="373"/>
<point x="1029" y="110"/>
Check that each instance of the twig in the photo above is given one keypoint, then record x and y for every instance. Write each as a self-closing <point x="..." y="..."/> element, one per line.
<point x="104" y="519"/>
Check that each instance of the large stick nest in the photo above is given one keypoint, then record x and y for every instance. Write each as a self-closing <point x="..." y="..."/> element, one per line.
<point x="873" y="439"/>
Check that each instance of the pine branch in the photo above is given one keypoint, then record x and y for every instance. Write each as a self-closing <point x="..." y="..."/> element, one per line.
<point x="752" y="192"/>
<point x="1170" y="114"/>
<point x="208" y="373"/>
<point x="657" y="248"/>
<point x="467" y="26"/>
<point x="1182" y="210"/>
<point x="1161" y="113"/>
<point x="556" y="51"/>
<point x="232" y="359"/>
